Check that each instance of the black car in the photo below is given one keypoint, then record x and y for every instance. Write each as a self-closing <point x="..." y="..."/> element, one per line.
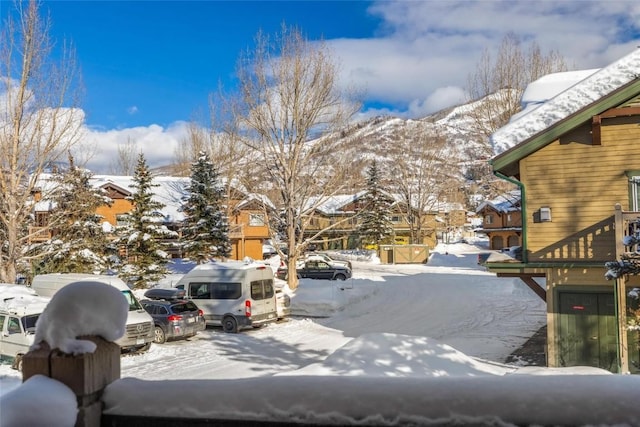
<point x="315" y="269"/>
<point x="174" y="316"/>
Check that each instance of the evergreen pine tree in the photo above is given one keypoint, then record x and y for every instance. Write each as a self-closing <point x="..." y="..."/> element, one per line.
<point x="375" y="225"/>
<point x="205" y="231"/>
<point x="79" y="244"/>
<point x="142" y="233"/>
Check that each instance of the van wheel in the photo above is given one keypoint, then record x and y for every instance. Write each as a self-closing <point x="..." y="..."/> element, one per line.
<point x="229" y="325"/>
<point x="17" y="362"/>
<point x="159" y="337"/>
<point x="341" y="277"/>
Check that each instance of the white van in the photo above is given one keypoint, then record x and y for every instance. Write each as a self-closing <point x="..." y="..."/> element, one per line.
<point x="19" y="312"/>
<point x="140" y="327"/>
<point x="232" y="294"/>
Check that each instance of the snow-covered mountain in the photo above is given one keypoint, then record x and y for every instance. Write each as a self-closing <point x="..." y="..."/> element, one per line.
<point x="452" y="134"/>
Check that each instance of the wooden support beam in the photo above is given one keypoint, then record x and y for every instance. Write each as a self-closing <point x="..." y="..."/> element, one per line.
<point x="527" y="278"/>
<point x="535" y="287"/>
<point x="596" y="130"/>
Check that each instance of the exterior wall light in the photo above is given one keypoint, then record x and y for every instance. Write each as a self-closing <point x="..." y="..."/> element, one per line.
<point x="545" y="214"/>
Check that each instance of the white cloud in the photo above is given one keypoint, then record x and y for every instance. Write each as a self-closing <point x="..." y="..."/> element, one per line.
<point x="425" y="51"/>
<point x="132" y="110"/>
<point x="158" y="144"/>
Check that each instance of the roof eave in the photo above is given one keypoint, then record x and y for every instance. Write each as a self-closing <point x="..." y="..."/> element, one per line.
<point x="507" y="161"/>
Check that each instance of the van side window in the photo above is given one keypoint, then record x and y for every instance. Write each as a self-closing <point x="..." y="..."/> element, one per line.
<point x="199" y="291"/>
<point x="14" y="326"/>
<point x="2" y="323"/>
<point x="215" y="290"/>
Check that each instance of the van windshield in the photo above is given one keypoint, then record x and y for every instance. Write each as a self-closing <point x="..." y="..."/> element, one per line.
<point x="134" y="305"/>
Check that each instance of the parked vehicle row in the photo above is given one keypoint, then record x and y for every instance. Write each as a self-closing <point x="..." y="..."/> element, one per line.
<point x="233" y="295"/>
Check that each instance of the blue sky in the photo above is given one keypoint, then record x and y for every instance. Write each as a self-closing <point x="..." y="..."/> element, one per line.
<point x="146" y="62"/>
<point x="149" y="66"/>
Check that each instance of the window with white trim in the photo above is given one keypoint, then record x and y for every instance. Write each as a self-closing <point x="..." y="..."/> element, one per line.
<point x="256" y="220"/>
<point x="634" y="193"/>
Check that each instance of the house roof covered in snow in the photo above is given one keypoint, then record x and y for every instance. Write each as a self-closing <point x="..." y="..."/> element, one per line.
<point x="508" y="202"/>
<point x="540" y="125"/>
<point x="167" y="190"/>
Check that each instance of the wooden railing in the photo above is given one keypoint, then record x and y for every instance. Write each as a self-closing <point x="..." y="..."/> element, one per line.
<point x="39" y="234"/>
<point x="106" y="400"/>
<point x="236" y="231"/>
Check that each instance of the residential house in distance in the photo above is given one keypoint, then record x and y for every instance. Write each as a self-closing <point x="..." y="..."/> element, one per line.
<point x="337" y="216"/>
<point x="247" y="223"/>
<point x="502" y="220"/>
<point x="575" y="155"/>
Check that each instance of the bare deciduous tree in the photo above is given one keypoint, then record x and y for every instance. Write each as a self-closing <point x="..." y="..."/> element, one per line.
<point x="38" y="122"/>
<point x="289" y="105"/>
<point x="126" y="159"/>
<point x="420" y="177"/>
<point x="505" y="78"/>
<point x="186" y="153"/>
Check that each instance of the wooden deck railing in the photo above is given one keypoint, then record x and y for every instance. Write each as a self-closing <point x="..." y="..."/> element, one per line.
<point x="39" y="234"/>
<point x="106" y="400"/>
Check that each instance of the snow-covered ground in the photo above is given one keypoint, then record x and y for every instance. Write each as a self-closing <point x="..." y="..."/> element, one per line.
<point x="450" y="300"/>
<point x="396" y="344"/>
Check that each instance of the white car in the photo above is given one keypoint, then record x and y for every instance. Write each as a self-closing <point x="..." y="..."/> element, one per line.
<point x="19" y="311"/>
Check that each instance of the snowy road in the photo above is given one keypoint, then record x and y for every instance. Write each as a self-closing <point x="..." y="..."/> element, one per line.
<point x="455" y="302"/>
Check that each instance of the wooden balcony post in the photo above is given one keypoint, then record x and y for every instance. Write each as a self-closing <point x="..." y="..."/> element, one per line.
<point x="86" y="375"/>
<point x="620" y="293"/>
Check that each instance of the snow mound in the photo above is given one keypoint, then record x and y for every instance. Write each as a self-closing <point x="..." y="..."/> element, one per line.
<point x="39" y="402"/>
<point x="401" y="356"/>
<point x="81" y="309"/>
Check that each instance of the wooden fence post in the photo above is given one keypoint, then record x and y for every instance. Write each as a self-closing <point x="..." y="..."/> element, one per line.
<point x="86" y="375"/>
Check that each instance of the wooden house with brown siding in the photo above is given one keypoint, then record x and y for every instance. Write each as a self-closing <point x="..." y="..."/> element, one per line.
<point x="502" y="220"/>
<point x="333" y="223"/>
<point x="248" y="227"/>
<point x="576" y="159"/>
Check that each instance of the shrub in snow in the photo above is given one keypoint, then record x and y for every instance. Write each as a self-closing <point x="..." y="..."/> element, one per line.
<point x="82" y="308"/>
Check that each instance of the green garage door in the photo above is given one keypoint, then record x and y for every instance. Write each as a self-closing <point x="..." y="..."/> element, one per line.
<point x="587" y="330"/>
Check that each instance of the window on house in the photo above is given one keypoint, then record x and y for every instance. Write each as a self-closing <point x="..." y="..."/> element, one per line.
<point x="508" y="217"/>
<point x="488" y="219"/>
<point x="634" y="193"/>
<point x="256" y="220"/>
<point x="396" y="219"/>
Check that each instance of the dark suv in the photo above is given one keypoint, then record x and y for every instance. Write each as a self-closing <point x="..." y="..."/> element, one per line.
<point x="174" y="316"/>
